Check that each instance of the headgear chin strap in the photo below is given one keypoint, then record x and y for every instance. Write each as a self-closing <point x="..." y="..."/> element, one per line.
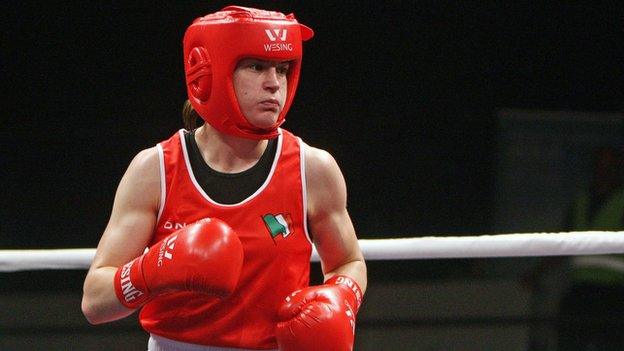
<point x="213" y="46"/>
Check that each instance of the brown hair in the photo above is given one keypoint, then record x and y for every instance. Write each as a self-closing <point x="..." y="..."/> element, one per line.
<point x="189" y="116"/>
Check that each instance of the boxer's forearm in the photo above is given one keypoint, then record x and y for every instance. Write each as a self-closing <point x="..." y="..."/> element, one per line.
<point x="99" y="302"/>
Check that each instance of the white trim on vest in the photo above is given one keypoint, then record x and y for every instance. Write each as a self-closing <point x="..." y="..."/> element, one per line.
<point x="163" y="181"/>
<point x="304" y="189"/>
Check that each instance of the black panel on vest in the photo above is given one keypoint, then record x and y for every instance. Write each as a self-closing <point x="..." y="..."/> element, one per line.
<point x="229" y="188"/>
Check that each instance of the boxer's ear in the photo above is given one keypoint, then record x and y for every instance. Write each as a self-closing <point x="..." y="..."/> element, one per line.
<point x="199" y="73"/>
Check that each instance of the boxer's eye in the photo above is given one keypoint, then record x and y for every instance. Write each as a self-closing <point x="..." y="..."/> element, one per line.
<point x="283" y="68"/>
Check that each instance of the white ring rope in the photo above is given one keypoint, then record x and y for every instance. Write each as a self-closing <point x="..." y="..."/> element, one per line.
<point x="502" y="245"/>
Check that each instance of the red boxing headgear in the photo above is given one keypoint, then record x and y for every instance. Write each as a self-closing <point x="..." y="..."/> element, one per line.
<point x="213" y="46"/>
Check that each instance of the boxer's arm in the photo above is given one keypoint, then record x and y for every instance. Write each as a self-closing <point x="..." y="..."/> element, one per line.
<point x="322" y="317"/>
<point x="128" y="232"/>
<point x="328" y="220"/>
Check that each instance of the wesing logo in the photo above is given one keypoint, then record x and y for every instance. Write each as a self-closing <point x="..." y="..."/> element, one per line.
<point x="274" y="35"/>
<point x="129" y="291"/>
<point x="163" y="253"/>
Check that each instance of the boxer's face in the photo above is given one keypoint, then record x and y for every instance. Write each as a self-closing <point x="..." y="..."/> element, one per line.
<point x="260" y="88"/>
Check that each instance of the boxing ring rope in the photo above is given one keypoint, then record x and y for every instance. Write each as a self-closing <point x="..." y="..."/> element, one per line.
<point x="430" y="247"/>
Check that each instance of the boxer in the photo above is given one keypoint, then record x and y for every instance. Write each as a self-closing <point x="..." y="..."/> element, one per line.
<point x="220" y="283"/>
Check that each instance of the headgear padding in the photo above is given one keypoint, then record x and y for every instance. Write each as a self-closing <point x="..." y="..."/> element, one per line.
<point x="213" y="46"/>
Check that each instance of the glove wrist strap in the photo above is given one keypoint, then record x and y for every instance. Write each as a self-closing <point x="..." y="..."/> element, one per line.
<point x="130" y="286"/>
<point x="351" y="285"/>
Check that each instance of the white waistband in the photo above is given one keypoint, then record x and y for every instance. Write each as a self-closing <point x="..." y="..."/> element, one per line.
<point x="158" y="343"/>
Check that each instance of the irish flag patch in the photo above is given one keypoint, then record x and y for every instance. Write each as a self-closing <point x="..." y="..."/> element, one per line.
<point x="280" y="224"/>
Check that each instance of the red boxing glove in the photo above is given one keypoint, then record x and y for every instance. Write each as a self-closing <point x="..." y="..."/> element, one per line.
<point x="320" y="317"/>
<point x="205" y="257"/>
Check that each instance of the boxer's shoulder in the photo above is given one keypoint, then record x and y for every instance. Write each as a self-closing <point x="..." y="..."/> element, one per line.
<point x="140" y="184"/>
<point x="320" y="165"/>
<point x="145" y="166"/>
<point x="324" y="180"/>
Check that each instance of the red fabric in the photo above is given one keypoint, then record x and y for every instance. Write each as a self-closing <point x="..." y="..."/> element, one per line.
<point x="273" y="266"/>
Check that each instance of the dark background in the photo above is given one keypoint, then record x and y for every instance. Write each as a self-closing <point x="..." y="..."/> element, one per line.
<point x="403" y="94"/>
